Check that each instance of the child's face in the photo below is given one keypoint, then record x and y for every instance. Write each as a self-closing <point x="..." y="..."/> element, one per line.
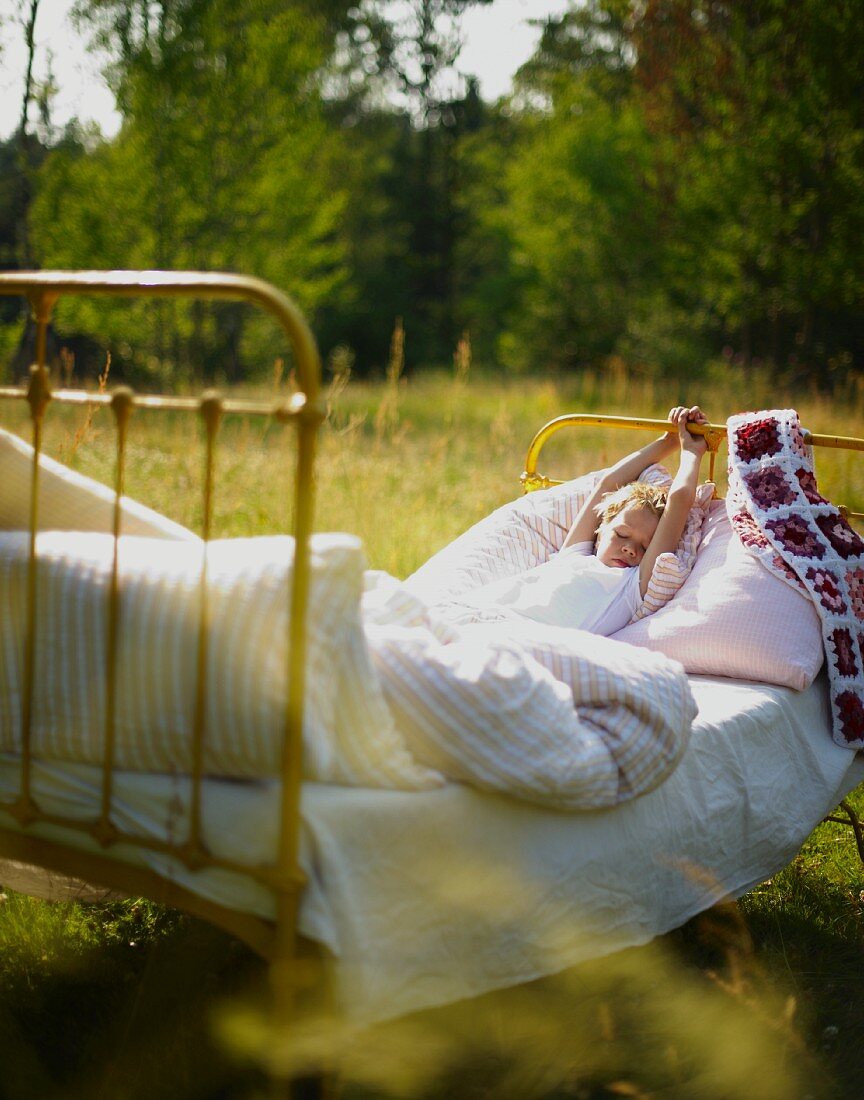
<point x="622" y="541"/>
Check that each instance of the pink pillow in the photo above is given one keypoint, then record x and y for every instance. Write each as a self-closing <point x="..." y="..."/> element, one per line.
<point x="732" y="617"/>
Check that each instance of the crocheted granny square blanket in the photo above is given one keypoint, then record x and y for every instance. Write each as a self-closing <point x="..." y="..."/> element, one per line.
<point x="780" y="516"/>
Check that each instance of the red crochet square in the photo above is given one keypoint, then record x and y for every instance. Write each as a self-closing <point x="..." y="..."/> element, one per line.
<point x="808" y="485"/>
<point x="851" y="713"/>
<point x="844" y="652"/>
<point x="855" y="581"/>
<point x="827" y="588"/>
<point x="846" y="542"/>
<point x="769" y="487"/>
<point x="758" y="438"/>
<point x="797" y="537"/>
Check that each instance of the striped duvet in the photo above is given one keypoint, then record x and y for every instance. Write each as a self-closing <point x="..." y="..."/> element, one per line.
<point x="396" y="697"/>
<point x="552" y="715"/>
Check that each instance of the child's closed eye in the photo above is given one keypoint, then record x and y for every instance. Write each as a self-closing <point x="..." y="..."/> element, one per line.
<point x="625" y="533"/>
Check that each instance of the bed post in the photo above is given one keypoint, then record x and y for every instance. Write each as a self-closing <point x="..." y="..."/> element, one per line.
<point x="38" y="396"/>
<point x="290" y="976"/>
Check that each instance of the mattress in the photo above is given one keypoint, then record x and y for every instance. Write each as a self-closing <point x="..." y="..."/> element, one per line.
<point x="427" y="897"/>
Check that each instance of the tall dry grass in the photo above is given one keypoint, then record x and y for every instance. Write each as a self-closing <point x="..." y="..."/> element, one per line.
<point x="407" y="463"/>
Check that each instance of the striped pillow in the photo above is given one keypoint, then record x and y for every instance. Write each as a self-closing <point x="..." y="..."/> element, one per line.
<point x="69" y="501"/>
<point x="349" y="735"/>
<point x="528" y="531"/>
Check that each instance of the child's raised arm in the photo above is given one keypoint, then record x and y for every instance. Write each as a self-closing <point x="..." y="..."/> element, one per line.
<point x="682" y="492"/>
<point x="623" y="472"/>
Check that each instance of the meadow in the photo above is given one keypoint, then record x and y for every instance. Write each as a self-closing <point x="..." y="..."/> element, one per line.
<point x="762" y="998"/>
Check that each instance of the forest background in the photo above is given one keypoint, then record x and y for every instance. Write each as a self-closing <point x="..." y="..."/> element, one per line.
<point x="675" y="185"/>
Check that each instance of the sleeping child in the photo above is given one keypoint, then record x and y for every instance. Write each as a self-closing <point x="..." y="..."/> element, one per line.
<point x="597" y="580"/>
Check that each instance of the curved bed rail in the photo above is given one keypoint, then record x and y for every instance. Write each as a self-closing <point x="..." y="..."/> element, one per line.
<point x="715" y="435"/>
<point x="305" y="411"/>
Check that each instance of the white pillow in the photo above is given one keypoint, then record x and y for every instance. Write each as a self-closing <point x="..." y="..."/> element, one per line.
<point x="527" y="531"/>
<point x="349" y="735"/>
<point x="69" y="501"/>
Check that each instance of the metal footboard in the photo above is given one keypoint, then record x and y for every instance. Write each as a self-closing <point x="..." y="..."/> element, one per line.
<point x="304" y="411"/>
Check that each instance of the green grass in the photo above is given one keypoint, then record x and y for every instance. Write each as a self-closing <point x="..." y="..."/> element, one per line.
<point x="122" y="1000"/>
<point x="807" y="923"/>
<point x="114" y="1001"/>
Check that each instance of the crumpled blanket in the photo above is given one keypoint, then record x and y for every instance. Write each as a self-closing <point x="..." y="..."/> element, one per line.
<point x="775" y="506"/>
<point x="556" y="716"/>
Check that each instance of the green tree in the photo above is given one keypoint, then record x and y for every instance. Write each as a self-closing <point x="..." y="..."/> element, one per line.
<point x="576" y="215"/>
<point x="224" y="161"/>
<point x="583" y="230"/>
<point x="686" y="176"/>
<point x="758" y="109"/>
<point x="393" y="90"/>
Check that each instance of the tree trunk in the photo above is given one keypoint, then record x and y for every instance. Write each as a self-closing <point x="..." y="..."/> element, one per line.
<point x="24" y="249"/>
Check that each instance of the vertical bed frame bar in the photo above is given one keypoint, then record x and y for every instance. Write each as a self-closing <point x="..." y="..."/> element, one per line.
<point x="211" y="416"/>
<point x="37" y="396"/>
<point x="121" y="406"/>
<point x="305" y="412"/>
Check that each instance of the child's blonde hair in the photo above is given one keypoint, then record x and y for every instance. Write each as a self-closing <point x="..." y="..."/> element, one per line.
<point x="639" y="493"/>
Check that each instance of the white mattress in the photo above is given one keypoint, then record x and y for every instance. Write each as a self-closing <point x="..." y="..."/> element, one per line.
<point x="428" y="897"/>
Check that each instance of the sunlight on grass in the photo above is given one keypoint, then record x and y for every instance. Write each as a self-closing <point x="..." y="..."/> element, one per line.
<point x="446" y="450"/>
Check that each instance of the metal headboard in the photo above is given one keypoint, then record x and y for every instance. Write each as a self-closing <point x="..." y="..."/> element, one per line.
<point x="715" y="435"/>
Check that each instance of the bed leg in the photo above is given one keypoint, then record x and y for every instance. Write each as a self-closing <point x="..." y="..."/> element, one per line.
<point x="852" y="819"/>
<point x="301" y="990"/>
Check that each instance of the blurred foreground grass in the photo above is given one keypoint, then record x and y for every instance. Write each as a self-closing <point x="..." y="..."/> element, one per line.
<point x="760" y="1000"/>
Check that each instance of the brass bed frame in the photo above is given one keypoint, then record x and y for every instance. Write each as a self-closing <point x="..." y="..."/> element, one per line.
<point x="278" y="940"/>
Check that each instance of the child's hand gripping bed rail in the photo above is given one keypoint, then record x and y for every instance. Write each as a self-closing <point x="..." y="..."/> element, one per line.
<point x="304" y="411"/>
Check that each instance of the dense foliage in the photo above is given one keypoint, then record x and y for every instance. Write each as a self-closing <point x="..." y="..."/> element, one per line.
<point x="671" y="181"/>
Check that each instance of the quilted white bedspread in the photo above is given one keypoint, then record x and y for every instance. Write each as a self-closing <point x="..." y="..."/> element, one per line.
<point x="395" y="698"/>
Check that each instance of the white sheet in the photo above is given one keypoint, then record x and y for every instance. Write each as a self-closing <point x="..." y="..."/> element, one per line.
<point x="429" y="897"/>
